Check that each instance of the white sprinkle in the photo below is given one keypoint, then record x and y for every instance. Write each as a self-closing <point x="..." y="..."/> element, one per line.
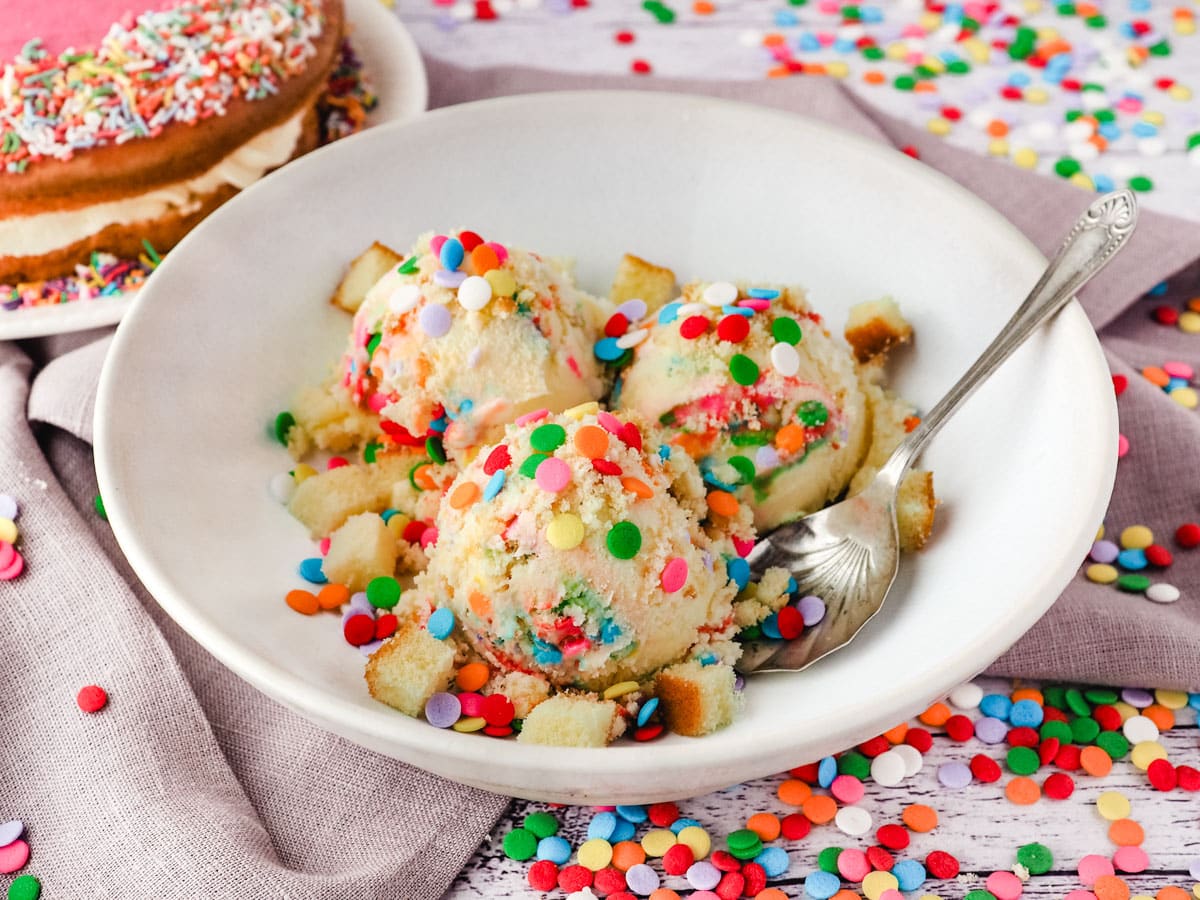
<point x="1077" y="131"/>
<point x="720" y="293"/>
<point x="853" y="820"/>
<point x="888" y="768"/>
<point x="1163" y="592"/>
<point x="690" y="309"/>
<point x="632" y="338"/>
<point x="1138" y="729"/>
<point x="966" y="696"/>
<point x="785" y="359"/>
<point x="475" y="293"/>
<point x="473" y="356"/>
<point x="282" y="487"/>
<point x="750" y="38"/>
<point x="913" y="760"/>
<point x="1152" y="146"/>
<point x="404" y="298"/>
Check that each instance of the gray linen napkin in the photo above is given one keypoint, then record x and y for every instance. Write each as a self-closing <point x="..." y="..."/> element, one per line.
<point x="191" y="784"/>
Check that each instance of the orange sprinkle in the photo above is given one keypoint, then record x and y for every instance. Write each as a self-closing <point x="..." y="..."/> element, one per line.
<point x="765" y="825"/>
<point x="1083" y="10"/>
<point x="637" y="486"/>
<point x="794" y="792"/>
<point x="843" y="894"/>
<point x="790" y="438"/>
<point x="694" y="445"/>
<point x="924" y="87"/>
<point x="1194" y="304"/>
<point x="814" y="69"/>
<point x="874" y="77"/>
<point x="936" y="716"/>
<point x="1139" y="54"/>
<point x="920" y="818"/>
<point x="1095" y="761"/>
<point x="1171" y="892"/>
<point x="591" y="441"/>
<point x="302" y="601"/>
<point x="819" y="809"/>
<point x="472" y="676"/>
<point x="772" y="893"/>
<point x="778" y="72"/>
<point x="911" y="422"/>
<point x="627" y="854"/>
<point x="664" y="894"/>
<point x="424" y="478"/>
<point x="1099" y="141"/>
<point x="723" y="503"/>
<point x="1110" y="887"/>
<point x="480" y="604"/>
<point x="997" y="128"/>
<point x="1053" y="48"/>
<point x="331" y="596"/>
<point x="703" y="8"/>
<point x="897" y="734"/>
<point x="484" y="259"/>
<point x="1160" y="716"/>
<point x="1126" y="833"/>
<point x="464" y="495"/>
<point x="1028" y="694"/>
<point x="1023" y="791"/>
<point x="774" y="39"/>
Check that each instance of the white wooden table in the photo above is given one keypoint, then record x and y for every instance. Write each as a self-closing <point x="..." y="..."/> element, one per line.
<point x="978" y="825"/>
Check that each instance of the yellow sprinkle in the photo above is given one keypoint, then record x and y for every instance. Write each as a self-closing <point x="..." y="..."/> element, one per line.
<point x="837" y="69"/>
<point x="658" y="841"/>
<point x="934" y="64"/>
<point x="1025" y="157"/>
<point x="1185" y="26"/>
<point x="930" y="21"/>
<point x="1032" y="6"/>
<point x="469" y="723"/>
<point x="303" y="472"/>
<point x="1137" y="537"/>
<point x="502" y="282"/>
<point x="939" y="126"/>
<point x="1147" y="752"/>
<point x="696" y="839"/>
<point x="1127" y="712"/>
<point x="1189" y="321"/>
<point x="1196" y="890"/>
<point x="1100" y="532"/>
<point x="1080" y="180"/>
<point x="1141" y="897"/>
<point x="1171" y="699"/>
<point x="896" y="50"/>
<point x="1036" y="95"/>
<point x="8" y="531"/>
<point x="877" y="882"/>
<point x="1113" y="805"/>
<point x="929" y="897"/>
<point x="1184" y="396"/>
<point x="469" y="454"/>
<point x="595" y="854"/>
<point x="998" y="147"/>
<point x="583" y="409"/>
<point x="397" y="523"/>
<point x="1180" y="92"/>
<point x="1154" y="117"/>
<point x="1047" y="34"/>
<point x="1101" y="573"/>
<point x="977" y="49"/>
<point x="565" y="531"/>
<point x="620" y="689"/>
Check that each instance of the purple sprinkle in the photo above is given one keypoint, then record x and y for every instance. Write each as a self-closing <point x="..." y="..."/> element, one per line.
<point x="642" y="880"/>
<point x="8" y="506"/>
<point x="634" y="310"/>
<point x="360" y="603"/>
<point x="10" y="831"/>
<point x="449" y="278"/>
<point x="954" y="775"/>
<point x="812" y="610"/>
<point x="368" y="649"/>
<point x="1104" y="551"/>
<point x="435" y="320"/>
<point x="1194" y="869"/>
<point x="766" y="458"/>
<point x="446" y="22"/>
<point x="926" y="101"/>
<point x="703" y="875"/>
<point x="739" y="682"/>
<point x="991" y="730"/>
<point x="1137" y="697"/>
<point x="442" y="710"/>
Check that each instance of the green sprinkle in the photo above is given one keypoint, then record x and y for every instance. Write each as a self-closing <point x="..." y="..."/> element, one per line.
<point x="541" y="824"/>
<point x="373" y="344"/>
<point x="408" y="266"/>
<point x="1055" y="695"/>
<point x="1113" y="743"/>
<point x="751" y="633"/>
<point x="383" y="592"/>
<point x="827" y="859"/>
<point x="1084" y="729"/>
<point x="743" y="369"/>
<point x="979" y="894"/>
<point x="744" y="844"/>
<point x="1162" y="48"/>
<point x="1133" y="584"/>
<point x="958" y="67"/>
<point x="151" y="252"/>
<point x="1067" y="166"/>
<point x="873" y="53"/>
<point x="433" y="447"/>
<point x="1056" y="729"/>
<point x="412" y="475"/>
<point x="751" y="438"/>
<point x="99" y="504"/>
<point x="969" y="24"/>
<point x="1066" y="9"/>
<point x="24" y="887"/>
<point x="530" y="466"/>
<point x="1076" y="702"/>
<point x="1105" y="115"/>
<point x="851" y="13"/>
<point x="1072" y="114"/>
<point x="664" y="14"/>
<point x="520" y="844"/>
<point x="548" y="438"/>
<point x="1023" y="760"/>
<point x="1140" y="183"/>
<point x="284" y="422"/>
<point x="1096" y="21"/>
<point x="904" y="83"/>
<point x="371" y="451"/>
<point x="786" y="330"/>
<point x="1193" y="140"/>
<point x="1035" y="857"/>
<point x="812" y="413"/>
<point x="744" y="467"/>
<point x="854" y="763"/>
<point x="1102" y="696"/>
<point x="924" y="72"/>
<point x="624" y="540"/>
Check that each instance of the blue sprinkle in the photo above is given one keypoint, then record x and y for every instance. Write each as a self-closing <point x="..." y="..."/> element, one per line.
<point x="948" y="56"/>
<point x="910" y="874"/>
<point x="763" y="293"/>
<point x="1103" y="183"/>
<point x="609" y="631"/>
<point x="466" y="406"/>
<point x="1133" y="560"/>
<point x="737" y="311"/>
<point x="1127" y="30"/>
<point x="785" y="17"/>
<point x="1194" y="701"/>
<point x="451" y="255"/>
<point x="1027" y="713"/>
<point x="555" y="849"/>
<point x="1019" y="79"/>
<point x="821" y="885"/>
<point x="997" y="706"/>
<point x="710" y="478"/>
<point x="1143" y="129"/>
<point x="634" y="814"/>
<point x="870" y="14"/>
<point x="809" y="42"/>
<point x="387" y="514"/>
<point x="647" y="711"/>
<point x="1175" y="383"/>
<point x="623" y="832"/>
<point x="792" y="586"/>
<point x="607" y="349"/>
<point x="826" y="771"/>
<point x="774" y="860"/>
<point x="770" y="627"/>
<point x="495" y="483"/>
<point x="669" y="313"/>
<point x="739" y="572"/>
<point x="1159" y="289"/>
<point x="438" y="425"/>
<point x="1139" y="5"/>
<point x="546" y="654"/>
<point x="707" y="659"/>
<point x="310" y="570"/>
<point x="602" y="826"/>
<point x="664" y="452"/>
<point x="441" y="623"/>
<point x="1109" y="130"/>
<point x="844" y="45"/>
<point x="681" y="823"/>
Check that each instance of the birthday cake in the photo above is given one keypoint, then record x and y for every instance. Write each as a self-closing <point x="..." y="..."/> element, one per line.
<point x="120" y="126"/>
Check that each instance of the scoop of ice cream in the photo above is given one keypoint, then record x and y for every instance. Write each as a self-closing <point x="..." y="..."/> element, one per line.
<point x="466" y="335"/>
<point x="753" y="387"/>
<point x="577" y="549"/>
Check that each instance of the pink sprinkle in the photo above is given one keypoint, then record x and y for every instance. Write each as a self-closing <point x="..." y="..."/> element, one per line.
<point x="336" y="462"/>
<point x="377" y="401"/>
<point x="1080" y="895"/>
<point x="604" y="808"/>
<point x="500" y="250"/>
<point x="1094" y="866"/>
<point x="553" y="475"/>
<point x="1131" y="860"/>
<point x="1122" y="445"/>
<point x="829" y="6"/>
<point x="323" y="546"/>
<point x="891" y="894"/>
<point x="1129" y="104"/>
<point x="576" y="646"/>
<point x="914" y="59"/>
<point x="1178" y="369"/>
<point x="847" y="789"/>
<point x="435" y="244"/>
<point x="742" y="547"/>
<point x="472" y="703"/>
<point x="7" y="554"/>
<point x="429" y="537"/>
<point x="574" y="366"/>
<point x="13" y="856"/>
<point x="609" y="422"/>
<point x="913" y="30"/>
<point x="826" y="38"/>
<point x="15" y="567"/>
<point x="755" y="303"/>
<point x="535" y="416"/>
<point x="674" y="574"/>
<point x="1004" y="885"/>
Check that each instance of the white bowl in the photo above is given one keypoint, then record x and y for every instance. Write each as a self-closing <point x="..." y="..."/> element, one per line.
<point x="237" y="318"/>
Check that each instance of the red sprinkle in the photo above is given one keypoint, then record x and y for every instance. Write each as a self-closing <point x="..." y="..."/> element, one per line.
<point x="616" y="326"/>
<point x="910" y="150"/>
<point x="796" y="826"/>
<point x="731" y="886"/>
<point x="880" y="859"/>
<point x="733" y="328"/>
<point x="1011" y="92"/>
<point x="874" y="746"/>
<point x="806" y="773"/>
<point x="894" y="837"/>
<point x="678" y="859"/>
<point x="543" y="875"/>
<point x="92" y="698"/>
<point x="606" y="467"/>
<point x="790" y="623"/>
<point x="960" y="729"/>
<point x="662" y="814"/>
<point x="630" y="436"/>
<point x="413" y="531"/>
<point x="1107" y="718"/>
<point x="640" y="67"/>
<point x="1048" y="749"/>
<point x="1158" y="555"/>
<point x="756" y="879"/>
<point x="1188" y="535"/>
<point x="725" y="861"/>
<point x="385" y="626"/>
<point x="624" y="37"/>
<point x="609" y="881"/>
<point x="919" y="738"/>
<point x="575" y="878"/>
<point x="1022" y="737"/>
<point x="692" y="327"/>
<point x="1188" y="777"/>
<point x="1162" y="775"/>
<point x="469" y="240"/>
<point x="1120" y="382"/>
<point x="985" y="768"/>
<point x="336" y="462"/>
<point x="359" y="630"/>
<point x="498" y="709"/>
<point x="1068" y="758"/>
<point x="1165" y="315"/>
<point x="941" y="864"/>
<point x="1058" y="786"/>
<point x="498" y="459"/>
<point x="497" y="730"/>
<point x="648" y="732"/>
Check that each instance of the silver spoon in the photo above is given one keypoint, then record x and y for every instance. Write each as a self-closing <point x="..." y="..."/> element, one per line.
<point x="847" y="554"/>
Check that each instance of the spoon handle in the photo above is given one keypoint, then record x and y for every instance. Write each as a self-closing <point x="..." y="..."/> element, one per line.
<point x="1100" y="232"/>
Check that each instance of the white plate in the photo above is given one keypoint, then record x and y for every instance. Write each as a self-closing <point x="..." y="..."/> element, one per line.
<point x="392" y="62"/>
<point x="714" y="190"/>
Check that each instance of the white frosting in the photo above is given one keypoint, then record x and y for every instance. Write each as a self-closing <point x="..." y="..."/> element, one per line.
<point x="42" y="233"/>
